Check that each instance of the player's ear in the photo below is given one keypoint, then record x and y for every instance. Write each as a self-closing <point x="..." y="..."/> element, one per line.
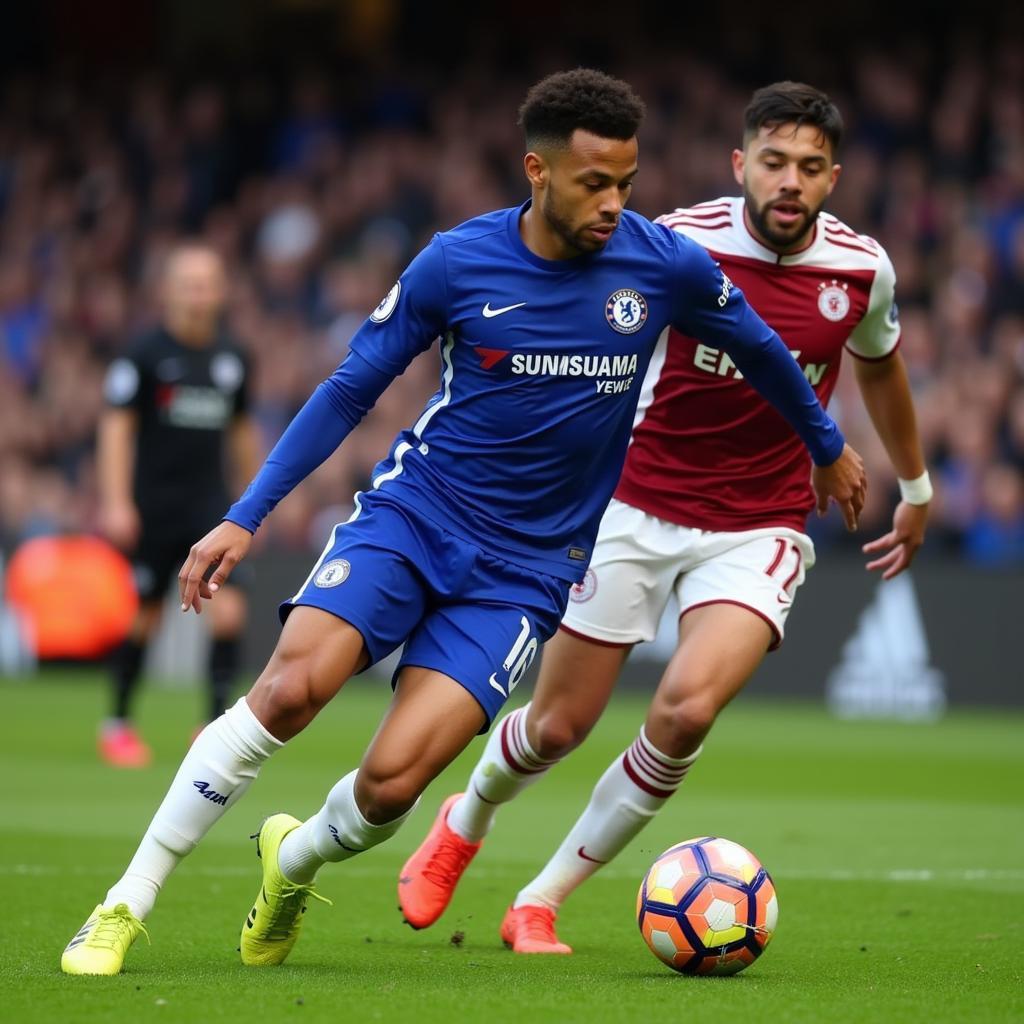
<point x="834" y="177"/>
<point x="537" y="170"/>
<point x="738" y="163"/>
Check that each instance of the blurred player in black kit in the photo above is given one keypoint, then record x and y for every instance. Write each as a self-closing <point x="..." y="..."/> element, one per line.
<point x="176" y="418"/>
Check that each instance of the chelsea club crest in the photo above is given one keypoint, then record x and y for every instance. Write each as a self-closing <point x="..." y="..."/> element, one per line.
<point x="626" y="311"/>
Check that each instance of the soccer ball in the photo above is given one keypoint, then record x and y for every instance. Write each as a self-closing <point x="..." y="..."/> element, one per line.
<point x="707" y="906"/>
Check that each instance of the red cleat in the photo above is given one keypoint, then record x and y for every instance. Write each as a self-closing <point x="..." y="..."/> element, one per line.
<point x="530" y="929"/>
<point x="428" y="880"/>
<point x="121" y="746"/>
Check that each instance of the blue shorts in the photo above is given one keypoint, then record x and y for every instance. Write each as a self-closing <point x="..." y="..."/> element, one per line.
<point x="400" y="578"/>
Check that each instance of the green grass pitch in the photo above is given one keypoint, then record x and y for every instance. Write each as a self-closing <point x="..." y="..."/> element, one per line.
<point x="897" y="850"/>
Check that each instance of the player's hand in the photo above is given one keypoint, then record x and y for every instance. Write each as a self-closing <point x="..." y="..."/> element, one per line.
<point x="221" y="550"/>
<point x="900" y="544"/>
<point x="845" y="483"/>
<point x="119" y="522"/>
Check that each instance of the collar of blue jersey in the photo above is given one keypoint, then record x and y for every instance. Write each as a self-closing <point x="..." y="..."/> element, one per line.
<point x="554" y="266"/>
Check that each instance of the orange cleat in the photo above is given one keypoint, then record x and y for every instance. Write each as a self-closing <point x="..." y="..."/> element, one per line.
<point x="121" y="746"/>
<point x="427" y="882"/>
<point x="530" y="929"/>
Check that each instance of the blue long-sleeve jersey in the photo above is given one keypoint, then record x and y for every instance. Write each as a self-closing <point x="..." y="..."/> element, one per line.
<point x="542" y="363"/>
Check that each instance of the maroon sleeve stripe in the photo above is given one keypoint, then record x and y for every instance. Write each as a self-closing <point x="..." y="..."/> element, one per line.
<point x="681" y="222"/>
<point x="849" y="245"/>
<point x="840" y="229"/>
<point x="874" y="359"/>
<point x="700" y="219"/>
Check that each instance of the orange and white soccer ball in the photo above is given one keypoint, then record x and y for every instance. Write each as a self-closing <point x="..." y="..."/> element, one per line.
<point x="707" y="906"/>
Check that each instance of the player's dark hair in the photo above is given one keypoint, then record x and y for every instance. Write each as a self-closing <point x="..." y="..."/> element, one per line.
<point x="793" y="103"/>
<point x="584" y="98"/>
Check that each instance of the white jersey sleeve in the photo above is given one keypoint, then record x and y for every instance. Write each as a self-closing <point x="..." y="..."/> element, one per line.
<point x="878" y="333"/>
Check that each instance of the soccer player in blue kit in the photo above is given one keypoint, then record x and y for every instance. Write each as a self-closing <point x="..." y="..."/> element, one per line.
<point x="482" y="516"/>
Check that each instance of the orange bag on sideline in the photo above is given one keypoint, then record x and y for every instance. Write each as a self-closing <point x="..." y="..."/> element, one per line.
<point x="76" y="593"/>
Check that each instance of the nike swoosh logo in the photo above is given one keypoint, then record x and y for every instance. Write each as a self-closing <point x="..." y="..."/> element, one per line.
<point x="783" y="600"/>
<point x="488" y="312"/>
<point x="585" y="856"/>
<point x="494" y="682"/>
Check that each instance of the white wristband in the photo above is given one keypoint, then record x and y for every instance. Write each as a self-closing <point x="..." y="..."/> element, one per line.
<point x="917" y="491"/>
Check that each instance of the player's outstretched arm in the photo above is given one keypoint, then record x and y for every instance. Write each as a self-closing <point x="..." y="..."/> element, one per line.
<point x="222" y="549"/>
<point x="406" y="323"/>
<point x="886" y="392"/>
<point x="326" y="419"/>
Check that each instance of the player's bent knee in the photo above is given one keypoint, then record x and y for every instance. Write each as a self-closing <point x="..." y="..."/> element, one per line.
<point x="284" y="698"/>
<point x="553" y="735"/>
<point x="384" y="797"/>
<point x="680" y="726"/>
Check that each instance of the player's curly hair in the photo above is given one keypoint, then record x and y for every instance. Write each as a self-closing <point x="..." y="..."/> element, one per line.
<point x="583" y="98"/>
<point x="793" y="103"/>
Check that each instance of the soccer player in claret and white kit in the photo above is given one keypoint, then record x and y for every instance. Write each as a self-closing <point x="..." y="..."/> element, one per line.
<point x="711" y="507"/>
<point x="483" y="515"/>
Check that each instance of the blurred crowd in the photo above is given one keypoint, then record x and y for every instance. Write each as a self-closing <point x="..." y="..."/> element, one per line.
<point x="317" y="198"/>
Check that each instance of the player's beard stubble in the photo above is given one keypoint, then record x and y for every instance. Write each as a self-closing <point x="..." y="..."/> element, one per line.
<point x="562" y="225"/>
<point x="788" y="237"/>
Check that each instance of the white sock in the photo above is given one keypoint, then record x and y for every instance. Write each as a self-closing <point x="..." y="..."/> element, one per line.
<point x="507" y="767"/>
<point x="633" y="789"/>
<point x="219" y="767"/>
<point x="335" y="833"/>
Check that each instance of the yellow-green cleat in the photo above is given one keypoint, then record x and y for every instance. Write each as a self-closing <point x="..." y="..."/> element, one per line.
<point x="273" y="924"/>
<point x="100" y="945"/>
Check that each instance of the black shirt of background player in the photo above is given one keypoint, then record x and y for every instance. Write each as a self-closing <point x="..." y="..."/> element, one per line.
<point x="186" y="399"/>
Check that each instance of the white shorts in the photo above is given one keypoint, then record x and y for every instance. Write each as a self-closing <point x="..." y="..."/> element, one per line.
<point x="640" y="561"/>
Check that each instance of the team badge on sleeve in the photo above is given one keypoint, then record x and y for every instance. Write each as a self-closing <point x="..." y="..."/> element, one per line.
<point x="626" y="310"/>
<point x="833" y="302"/>
<point x="387" y="304"/>
<point x="334" y="572"/>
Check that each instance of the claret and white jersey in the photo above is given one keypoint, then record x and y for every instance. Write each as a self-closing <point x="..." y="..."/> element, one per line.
<point x="715" y="491"/>
<point x="707" y="451"/>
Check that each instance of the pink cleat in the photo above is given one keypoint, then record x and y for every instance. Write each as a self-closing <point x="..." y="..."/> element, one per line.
<point x="530" y="929"/>
<point x="427" y="882"/>
<point x="121" y="746"/>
